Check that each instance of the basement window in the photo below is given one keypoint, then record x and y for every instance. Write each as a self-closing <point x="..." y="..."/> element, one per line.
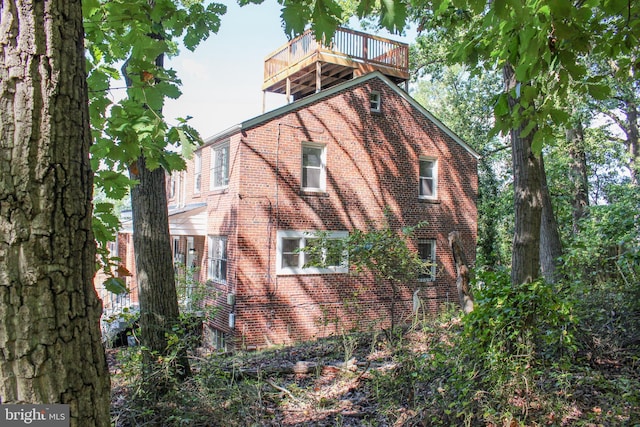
<point x="427" y="252"/>
<point x="375" y="101"/>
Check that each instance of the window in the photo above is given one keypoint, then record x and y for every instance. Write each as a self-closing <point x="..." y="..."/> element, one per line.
<point x="217" y="268"/>
<point x="292" y="258"/>
<point x="172" y="185"/>
<point x="219" y="166"/>
<point x="428" y="179"/>
<point x="374" y="101"/>
<point x="197" y="175"/>
<point x="427" y="252"/>
<point x="313" y="167"/>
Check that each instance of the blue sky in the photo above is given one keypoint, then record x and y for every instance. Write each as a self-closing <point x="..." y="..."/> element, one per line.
<point x="222" y="79"/>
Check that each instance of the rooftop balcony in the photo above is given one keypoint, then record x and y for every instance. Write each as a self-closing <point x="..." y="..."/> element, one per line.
<point x="305" y="66"/>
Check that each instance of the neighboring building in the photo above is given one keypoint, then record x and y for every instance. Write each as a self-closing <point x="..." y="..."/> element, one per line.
<point x="353" y="146"/>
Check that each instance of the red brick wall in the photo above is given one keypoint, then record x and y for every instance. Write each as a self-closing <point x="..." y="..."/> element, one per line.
<point x="372" y="167"/>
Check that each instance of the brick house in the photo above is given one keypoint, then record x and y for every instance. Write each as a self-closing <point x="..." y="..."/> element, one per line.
<point x="336" y="159"/>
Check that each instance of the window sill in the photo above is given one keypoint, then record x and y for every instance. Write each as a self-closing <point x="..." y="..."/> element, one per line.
<point x="219" y="190"/>
<point x="306" y="272"/>
<point x="314" y="193"/>
<point x="429" y="201"/>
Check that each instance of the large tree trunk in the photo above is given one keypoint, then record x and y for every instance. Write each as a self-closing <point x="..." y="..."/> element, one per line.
<point x="579" y="177"/>
<point x="159" y="310"/>
<point x="525" y="261"/>
<point x="550" y="243"/>
<point x="50" y="343"/>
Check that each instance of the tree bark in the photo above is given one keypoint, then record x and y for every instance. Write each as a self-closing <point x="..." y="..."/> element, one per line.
<point x="159" y="310"/>
<point x="579" y="177"/>
<point x="463" y="275"/>
<point x="633" y="134"/>
<point x="550" y="243"/>
<point x="525" y="261"/>
<point x="50" y="342"/>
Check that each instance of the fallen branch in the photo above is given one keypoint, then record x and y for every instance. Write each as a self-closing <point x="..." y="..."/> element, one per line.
<point x="284" y="390"/>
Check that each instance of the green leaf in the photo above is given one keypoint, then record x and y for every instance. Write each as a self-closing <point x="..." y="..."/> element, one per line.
<point x="502" y="105"/>
<point x="115" y="285"/>
<point x="528" y="128"/>
<point x="599" y="91"/>
<point x="393" y="15"/>
<point x="295" y="17"/>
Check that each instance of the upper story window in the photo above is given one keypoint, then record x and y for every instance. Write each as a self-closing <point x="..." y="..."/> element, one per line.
<point x="217" y="266"/>
<point x="172" y="185"/>
<point x="375" y="101"/>
<point x="314" y="160"/>
<point x="219" y="172"/>
<point x="428" y="179"/>
<point x="197" y="175"/>
<point x="427" y="252"/>
<point x="292" y="258"/>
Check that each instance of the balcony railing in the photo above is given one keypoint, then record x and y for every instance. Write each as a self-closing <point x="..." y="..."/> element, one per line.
<point x="346" y="44"/>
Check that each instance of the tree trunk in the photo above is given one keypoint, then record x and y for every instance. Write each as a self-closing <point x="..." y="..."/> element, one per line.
<point x="50" y="342"/>
<point x="632" y="142"/>
<point x="525" y="261"/>
<point x="159" y="310"/>
<point x="463" y="275"/>
<point x="580" y="201"/>
<point x="550" y="244"/>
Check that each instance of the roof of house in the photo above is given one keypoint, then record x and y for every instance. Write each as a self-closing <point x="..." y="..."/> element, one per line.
<point x="247" y="124"/>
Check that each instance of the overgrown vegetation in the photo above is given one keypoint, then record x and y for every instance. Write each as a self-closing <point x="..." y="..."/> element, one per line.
<point x="563" y="354"/>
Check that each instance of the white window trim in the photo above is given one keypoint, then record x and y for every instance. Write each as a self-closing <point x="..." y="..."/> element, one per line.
<point x="435" y="178"/>
<point x="375" y="101"/>
<point x="303" y="235"/>
<point x="323" y="167"/>
<point x="197" y="173"/>
<point x="214" y="166"/>
<point x="432" y="260"/>
<point x="210" y="258"/>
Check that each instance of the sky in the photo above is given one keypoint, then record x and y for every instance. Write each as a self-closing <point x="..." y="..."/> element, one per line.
<point x="222" y="79"/>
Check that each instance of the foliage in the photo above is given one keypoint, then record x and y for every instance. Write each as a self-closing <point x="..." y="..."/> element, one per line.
<point x="609" y="244"/>
<point x="433" y="374"/>
<point x="133" y="35"/>
<point x="463" y="102"/>
<point x="383" y="251"/>
<point x="530" y="318"/>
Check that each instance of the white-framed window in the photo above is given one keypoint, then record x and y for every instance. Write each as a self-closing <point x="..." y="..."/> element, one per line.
<point x="428" y="178"/>
<point x="197" y="172"/>
<point x="172" y="185"/>
<point x="314" y="161"/>
<point x="217" y="264"/>
<point x="427" y="252"/>
<point x="219" y="170"/>
<point x="291" y="257"/>
<point x="375" y="101"/>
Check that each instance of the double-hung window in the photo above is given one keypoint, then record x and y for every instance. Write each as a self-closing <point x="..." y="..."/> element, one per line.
<point x="217" y="267"/>
<point x="428" y="179"/>
<point x="375" y="101"/>
<point x="300" y="252"/>
<point x="427" y="252"/>
<point x="314" y="160"/>
<point x="197" y="173"/>
<point x="219" y="173"/>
